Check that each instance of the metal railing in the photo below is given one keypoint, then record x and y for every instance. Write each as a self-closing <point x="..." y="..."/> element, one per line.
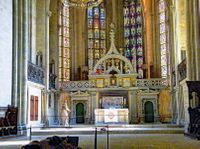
<point x="101" y="129"/>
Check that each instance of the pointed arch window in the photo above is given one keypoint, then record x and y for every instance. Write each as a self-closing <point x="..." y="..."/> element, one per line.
<point x="133" y="34"/>
<point x="64" y="43"/>
<point x="96" y="25"/>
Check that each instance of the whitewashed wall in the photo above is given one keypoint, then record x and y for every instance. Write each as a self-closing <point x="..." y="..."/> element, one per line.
<point x="5" y="52"/>
<point x="35" y="90"/>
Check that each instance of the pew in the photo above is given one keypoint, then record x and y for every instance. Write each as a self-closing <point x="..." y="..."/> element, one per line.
<point x="8" y="123"/>
<point x="194" y="109"/>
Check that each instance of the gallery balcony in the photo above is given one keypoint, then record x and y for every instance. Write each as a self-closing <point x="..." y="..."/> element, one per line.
<point x="35" y="73"/>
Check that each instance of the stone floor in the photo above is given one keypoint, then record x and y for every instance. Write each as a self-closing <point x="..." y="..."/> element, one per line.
<point x="119" y="141"/>
<point x="128" y="137"/>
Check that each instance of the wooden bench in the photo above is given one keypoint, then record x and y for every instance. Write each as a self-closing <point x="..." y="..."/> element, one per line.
<point x="8" y="123"/>
<point x="194" y="109"/>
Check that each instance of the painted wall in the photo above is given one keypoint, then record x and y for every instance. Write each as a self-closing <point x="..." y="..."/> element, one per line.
<point x="5" y="52"/>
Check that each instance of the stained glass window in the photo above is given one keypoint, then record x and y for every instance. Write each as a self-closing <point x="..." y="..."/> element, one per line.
<point x="64" y="47"/>
<point x="96" y="34"/>
<point x="133" y="39"/>
<point x="163" y="38"/>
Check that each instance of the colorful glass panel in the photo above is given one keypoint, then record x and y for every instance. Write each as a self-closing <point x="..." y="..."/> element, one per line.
<point x="64" y="47"/>
<point x="96" y="34"/>
<point x="133" y="40"/>
<point x="163" y="39"/>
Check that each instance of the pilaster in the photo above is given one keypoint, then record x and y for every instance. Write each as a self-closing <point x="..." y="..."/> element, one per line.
<point x="94" y="105"/>
<point x="132" y="106"/>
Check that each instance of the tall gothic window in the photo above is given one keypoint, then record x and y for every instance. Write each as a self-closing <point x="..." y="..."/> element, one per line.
<point x="133" y="40"/>
<point x="96" y="34"/>
<point x="163" y="38"/>
<point x="64" y="47"/>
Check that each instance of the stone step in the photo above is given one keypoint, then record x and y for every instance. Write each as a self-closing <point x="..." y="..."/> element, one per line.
<point x="89" y="129"/>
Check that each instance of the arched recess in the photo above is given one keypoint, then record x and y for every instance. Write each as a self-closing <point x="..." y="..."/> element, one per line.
<point x="80" y="116"/>
<point x="149" y="112"/>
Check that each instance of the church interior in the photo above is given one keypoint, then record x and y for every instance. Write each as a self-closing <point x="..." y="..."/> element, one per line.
<point x="99" y="63"/>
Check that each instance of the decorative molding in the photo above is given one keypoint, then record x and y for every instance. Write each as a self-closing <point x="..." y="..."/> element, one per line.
<point x="113" y="60"/>
<point x="76" y="85"/>
<point x="157" y="82"/>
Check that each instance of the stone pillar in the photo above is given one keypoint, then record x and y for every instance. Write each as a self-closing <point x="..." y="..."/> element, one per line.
<point x="190" y="54"/>
<point x="132" y="106"/>
<point x="24" y="60"/>
<point x="21" y="46"/>
<point x="94" y="105"/>
<point x="15" y="60"/>
<point x="78" y="38"/>
<point x="148" y="35"/>
<point x="46" y="56"/>
<point x="196" y="20"/>
<point x="156" y="58"/>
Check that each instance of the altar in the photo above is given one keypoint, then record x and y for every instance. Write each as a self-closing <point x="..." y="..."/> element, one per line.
<point x="111" y="116"/>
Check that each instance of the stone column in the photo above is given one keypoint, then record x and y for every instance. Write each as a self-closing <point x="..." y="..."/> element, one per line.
<point x="20" y="58"/>
<point x="24" y="60"/>
<point x="174" y="61"/>
<point x="78" y="38"/>
<point x="15" y="52"/>
<point x="196" y="37"/>
<point x="190" y="57"/>
<point x="46" y="57"/>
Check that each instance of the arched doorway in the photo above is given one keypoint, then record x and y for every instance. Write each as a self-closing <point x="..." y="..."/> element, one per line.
<point x="80" y="113"/>
<point x="149" y="112"/>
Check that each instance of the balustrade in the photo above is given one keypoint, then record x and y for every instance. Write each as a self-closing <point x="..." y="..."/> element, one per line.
<point x="157" y="82"/>
<point x="76" y="85"/>
<point x="83" y="85"/>
<point x="35" y="73"/>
